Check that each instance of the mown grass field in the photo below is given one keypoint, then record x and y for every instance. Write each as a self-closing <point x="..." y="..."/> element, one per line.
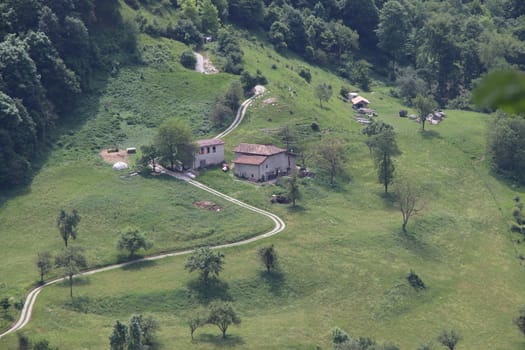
<point x="343" y="257"/>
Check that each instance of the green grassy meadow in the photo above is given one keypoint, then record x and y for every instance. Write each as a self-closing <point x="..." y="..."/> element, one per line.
<point x="343" y="257"/>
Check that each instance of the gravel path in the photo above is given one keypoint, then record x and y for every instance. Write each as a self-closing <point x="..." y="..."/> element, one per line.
<point x="279" y="226"/>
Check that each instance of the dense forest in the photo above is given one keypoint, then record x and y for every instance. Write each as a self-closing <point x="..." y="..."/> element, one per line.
<point x="52" y="50"/>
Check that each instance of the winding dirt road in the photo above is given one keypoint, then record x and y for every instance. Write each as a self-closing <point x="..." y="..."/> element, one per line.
<point x="279" y="225"/>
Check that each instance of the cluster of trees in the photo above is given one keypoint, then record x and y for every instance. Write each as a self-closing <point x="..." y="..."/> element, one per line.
<point x="342" y="341"/>
<point x="173" y="143"/>
<point x="24" y="343"/>
<point x="47" y="57"/>
<point x="209" y="264"/>
<point x="140" y="334"/>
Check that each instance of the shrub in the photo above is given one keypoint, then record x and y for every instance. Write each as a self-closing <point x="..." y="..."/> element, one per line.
<point x="314" y="126"/>
<point x="403" y="113"/>
<point x="305" y="74"/>
<point x="188" y="60"/>
<point x="415" y="281"/>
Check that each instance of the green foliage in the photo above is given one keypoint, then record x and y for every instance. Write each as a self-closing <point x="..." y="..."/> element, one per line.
<point x="119" y="337"/>
<point x="44" y="264"/>
<point x="331" y="158"/>
<point x="67" y="224"/>
<point x="133" y="240"/>
<point x="222" y="314"/>
<point x="174" y="141"/>
<point x="268" y="257"/>
<point x="383" y="146"/>
<point x="415" y="281"/>
<point x="323" y="92"/>
<point x="506" y="143"/>
<point x="305" y="74"/>
<point x="206" y="261"/>
<point x="505" y="90"/>
<point x="188" y="59"/>
<point x="228" y="47"/>
<point x="72" y="261"/>
<point x="424" y="106"/>
<point x="449" y="338"/>
<point x="339" y="336"/>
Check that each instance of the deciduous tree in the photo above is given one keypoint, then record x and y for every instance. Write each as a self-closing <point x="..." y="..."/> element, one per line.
<point x="331" y="157"/>
<point x="43" y="264"/>
<point x="67" y="224"/>
<point x="119" y="337"/>
<point x="408" y="200"/>
<point x="132" y="240"/>
<point x="268" y="257"/>
<point x="424" y="106"/>
<point x="294" y="192"/>
<point x="323" y="92"/>
<point x="449" y="338"/>
<point x="384" y="147"/>
<point x="222" y="314"/>
<point x="206" y="261"/>
<point x="174" y="141"/>
<point x="72" y="261"/>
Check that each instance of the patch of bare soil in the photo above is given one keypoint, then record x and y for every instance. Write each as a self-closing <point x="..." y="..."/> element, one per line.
<point x="208" y="205"/>
<point x="270" y="101"/>
<point x="113" y="157"/>
<point x="209" y="68"/>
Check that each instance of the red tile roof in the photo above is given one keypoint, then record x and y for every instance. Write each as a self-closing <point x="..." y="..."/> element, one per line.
<point x="210" y="142"/>
<point x="250" y="160"/>
<point x="262" y="150"/>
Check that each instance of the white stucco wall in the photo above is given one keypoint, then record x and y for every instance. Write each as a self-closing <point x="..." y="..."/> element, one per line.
<point x="211" y="158"/>
<point x="268" y="168"/>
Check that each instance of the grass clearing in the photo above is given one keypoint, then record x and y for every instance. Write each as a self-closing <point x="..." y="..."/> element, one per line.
<point x="343" y="258"/>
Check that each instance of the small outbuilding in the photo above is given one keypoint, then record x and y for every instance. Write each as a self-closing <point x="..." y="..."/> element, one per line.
<point x="210" y="152"/>
<point x="360" y="102"/>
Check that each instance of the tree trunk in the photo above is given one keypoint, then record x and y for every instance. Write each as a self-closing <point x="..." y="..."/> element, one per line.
<point x="224" y="333"/>
<point x="65" y="241"/>
<point x="41" y="277"/>
<point x="404" y="227"/>
<point x="71" y="286"/>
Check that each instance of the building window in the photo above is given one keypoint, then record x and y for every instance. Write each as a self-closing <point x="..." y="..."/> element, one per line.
<point x="207" y="149"/>
<point x="266" y="166"/>
<point x="214" y="150"/>
<point x="202" y="150"/>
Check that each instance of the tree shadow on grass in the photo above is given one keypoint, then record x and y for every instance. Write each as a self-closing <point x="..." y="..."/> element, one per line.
<point x="77" y="281"/>
<point x="431" y="134"/>
<point x="275" y="280"/>
<point x="296" y="209"/>
<point x="219" y="341"/>
<point x="214" y="289"/>
<point x="138" y="265"/>
<point x="389" y="199"/>
<point x="413" y="243"/>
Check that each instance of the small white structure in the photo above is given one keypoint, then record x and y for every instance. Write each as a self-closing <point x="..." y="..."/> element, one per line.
<point x="262" y="162"/>
<point x="210" y="152"/>
<point x="120" y="166"/>
<point x="131" y="150"/>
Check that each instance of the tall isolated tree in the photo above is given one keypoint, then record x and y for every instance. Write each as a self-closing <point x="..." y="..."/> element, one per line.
<point x="119" y="337"/>
<point x="222" y="314"/>
<point x="449" y="338"/>
<point x="331" y="158"/>
<point x="384" y="147"/>
<point x="206" y="261"/>
<point x="408" y="199"/>
<point x="67" y="224"/>
<point x="174" y="141"/>
<point x="132" y="240"/>
<point x="72" y="261"/>
<point x="323" y="92"/>
<point x="268" y="257"/>
<point x="43" y="264"/>
<point x="424" y="106"/>
<point x="149" y="157"/>
<point x="294" y="192"/>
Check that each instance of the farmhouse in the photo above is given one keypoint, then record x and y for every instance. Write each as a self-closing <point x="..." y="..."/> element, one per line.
<point x="262" y="162"/>
<point x="360" y="102"/>
<point x="210" y="152"/>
